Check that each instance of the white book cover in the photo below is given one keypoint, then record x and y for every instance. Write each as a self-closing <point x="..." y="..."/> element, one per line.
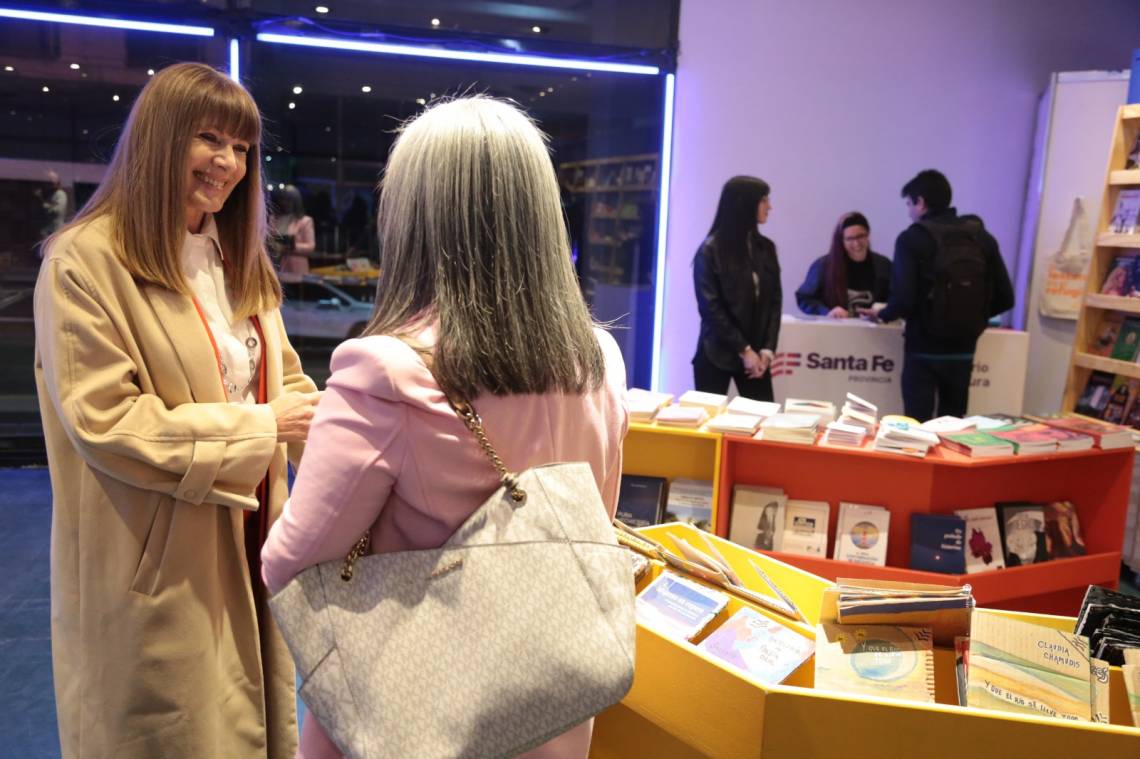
<point x="805" y="527"/>
<point x="742" y="405"/>
<point x="734" y="424"/>
<point x="861" y="534"/>
<point x="682" y="416"/>
<point x="946" y="424"/>
<point x="860" y="404"/>
<point x="824" y="410"/>
<point x="791" y="422"/>
<point x="983" y="546"/>
<point x="757" y="517"/>
<point x="648" y="396"/>
<point x="714" y="403"/>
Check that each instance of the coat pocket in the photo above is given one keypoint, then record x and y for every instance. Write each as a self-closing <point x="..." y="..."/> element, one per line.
<point x="154" y="548"/>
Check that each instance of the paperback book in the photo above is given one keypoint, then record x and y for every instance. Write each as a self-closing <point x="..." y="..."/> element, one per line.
<point x="1023" y="533"/>
<point x="1105" y="435"/>
<point x="861" y="534"/>
<point x="1127" y="341"/>
<point x="1106" y="333"/>
<point x="757" y="517"/>
<point x="734" y="424"/>
<point x="805" y="528"/>
<point x="640" y="500"/>
<point x="712" y="403"/>
<point x="977" y="444"/>
<point x="677" y="607"/>
<point x="1063" y="530"/>
<point x="1111" y="620"/>
<point x="761" y="647"/>
<point x="1094" y="396"/>
<point x="877" y="660"/>
<point x="749" y="407"/>
<point x="690" y="501"/>
<point x="937" y="543"/>
<point x="682" y="416"/>
<point x="1118" y="281"/>
<point x="983" y="539"/>
<point x="1126" y="214"/>
<point x="643" y="405"/>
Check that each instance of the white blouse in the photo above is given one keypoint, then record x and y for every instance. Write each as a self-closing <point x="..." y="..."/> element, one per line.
<point x="239" y="346"/>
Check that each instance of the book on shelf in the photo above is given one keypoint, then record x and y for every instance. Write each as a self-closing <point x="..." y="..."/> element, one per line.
<point x="1127" y="341"/>
<point x="878" y="660"/>
<point x="790" y="428"/>
<point x="823" y="410"/>
<point x="983" y="549"/>
<point x="904" y="438"/>
<point x="1105" y="435"/>
<point x="749" y="407"/>
<point x="1020" y="667"/>
<point x="734" y="424"/>
<point x="841" y="433"/>
<point x="861" y="533"/>
<point x="1107" y="331"/>
<point x="690" y="417"/>
<point x="937" y="543"/>
<point x="690" y="501"/>
<point x="1111" y="620"/>
<point x="977" y="444"/>
<point x="1028" y="439"/>
<point x="1119" y="280"/>
<point x="1063" y="536"/>
<point x="640" y="500"/>
<point x="1121" y="400"/>
<point x="1133" y="160"/>
<point x="758" y="517"/>
<point x="678" y="607"/>
<point x="1023" y="533"/>
<point x="946" y="425"/>
<point x="643" y="405"/>
<point x="713" y="403"/>
<point x="984" y="423"/>
<point x="759" y="646"/>
<point x="1125" y="214"/>
<point x="805" y="528"/>
<point x="1094" y="396"/>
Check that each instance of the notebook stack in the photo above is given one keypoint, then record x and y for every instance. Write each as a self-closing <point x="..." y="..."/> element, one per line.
<point x="690" y="417"/>
<point x="643" y="405"/>
<point x="1104" y="435"/>
<point x="857" y="412"/>
<point x="712" y="403"/>
<point x="839" y="433"/>
<point x="742" y="416"/>
<point x="904" y="439"/>
<point x="823" y="410"/>
<point x="790" y="428"/>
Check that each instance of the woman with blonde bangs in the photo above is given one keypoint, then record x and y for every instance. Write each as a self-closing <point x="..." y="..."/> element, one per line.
<point x="477" y="301"/>
<point x="170" y="399"/>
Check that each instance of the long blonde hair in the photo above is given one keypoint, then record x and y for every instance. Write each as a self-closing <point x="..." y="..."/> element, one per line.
<point x="143" y="193"/>
<point x="472" y="235"/>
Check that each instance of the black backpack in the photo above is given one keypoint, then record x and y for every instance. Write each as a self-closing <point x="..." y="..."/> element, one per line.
<point x="957" y="304"/>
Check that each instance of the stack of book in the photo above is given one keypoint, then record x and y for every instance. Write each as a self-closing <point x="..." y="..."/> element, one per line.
<point x="904" y="439"/>
<point x="734" y="424"/>
<point x="690" y="417"/>
<point x="824" y="410"/>
<point x="749" y="407"/>
<point x="857" y="412"/>
<point x="790" y="428"/>
<point x="977" y="444"/>
<point x="945" y="425"/>
<point x="861" y="534"/>
<point x="643" y="405"/>
<point x="1029" y="438"/>
<point x="1111" y="621"/>
<point x="840" y="433"/>
<point x="1104" y="435"/>
<point x="712" y="403"/>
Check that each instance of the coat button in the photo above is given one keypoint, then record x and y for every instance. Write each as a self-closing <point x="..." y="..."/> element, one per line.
<point x="191" y="494"/>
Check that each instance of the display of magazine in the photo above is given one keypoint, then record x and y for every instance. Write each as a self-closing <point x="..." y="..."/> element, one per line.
<point x="759" y="646"/>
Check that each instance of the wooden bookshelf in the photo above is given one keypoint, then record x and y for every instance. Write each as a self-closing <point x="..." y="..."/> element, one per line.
<point x="1097" y="482"/>
<point x="1109" y="246"/>
<point x="670" y="452"/>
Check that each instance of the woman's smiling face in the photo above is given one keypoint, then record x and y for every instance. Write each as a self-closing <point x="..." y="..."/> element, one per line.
<point x="215" y="165"/>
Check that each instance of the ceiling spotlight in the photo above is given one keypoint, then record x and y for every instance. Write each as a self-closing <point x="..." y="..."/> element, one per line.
<point x="269" y="158"/>
<point x="322" y="9"/>
<point x="115" y="98"/>
<point x="46" y="88"/>
<point x="421" y="101"/>
<point x="297" y="89"/>
<point x="333" y="159"/>
<point x="537" y="29"/>
<point x="542" y="93"/>
<point x="292" y="105"/>
<point x="366" y="88"/>
<point x="150" y="72"/>
<point x="74" y="67"/>
<point x="9" y="68"/>
<point x="435" y="22"/>
<point x="550" y="89"/>
<point x="328" y="129"/>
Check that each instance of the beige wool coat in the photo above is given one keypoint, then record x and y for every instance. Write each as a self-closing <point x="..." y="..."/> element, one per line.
<point x="161" y="646"/>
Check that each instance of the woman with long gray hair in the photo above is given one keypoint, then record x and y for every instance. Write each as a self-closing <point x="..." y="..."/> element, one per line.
<point x="477" y="300"/>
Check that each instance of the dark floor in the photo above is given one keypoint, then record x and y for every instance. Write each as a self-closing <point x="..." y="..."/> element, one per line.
<point x="27" y="705"/>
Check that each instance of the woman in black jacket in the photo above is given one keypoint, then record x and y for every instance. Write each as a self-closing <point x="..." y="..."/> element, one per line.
<point x="737" y="278"/>
<point x="850" y="276"/>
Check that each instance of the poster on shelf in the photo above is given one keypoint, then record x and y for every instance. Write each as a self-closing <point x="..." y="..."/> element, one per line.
<point x="1064" y="285"/>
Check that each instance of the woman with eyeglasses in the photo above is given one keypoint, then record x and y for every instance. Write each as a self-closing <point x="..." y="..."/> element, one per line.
<point x="850" y="276"/>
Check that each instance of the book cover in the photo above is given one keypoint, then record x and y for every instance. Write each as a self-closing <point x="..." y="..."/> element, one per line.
<point x="749" y="407"/>
<point x="1106" y="333"/>
<point x="937" y="542"/>
<point x="1017" y="666"/>
<point x="805" y="528"/>
<point x="759" y="646"/>
<point x="1127" y="341"/>
<point x="1094" y="397"/>
<point x="690" y="501"/>
<point x="1027" y="439"/>
<point x="861" y="534"/>
<point x="1107" y="436"/>
<point x="1125" y="213"/>
<point x="1023" y="533"/>
<point x="1101" y="693"/>
<point x="677" y="607"/>
<point x="1063" y="530"/>
<point x="1121" y="400"/>
<point x="983" y="539"/>
<point x="1118" y="281"/>
<point x="877" y="660"/>
<point x="757" y="517"/>
<point x="713" y="403"/>
<point x="640" y="500"/>
<point x="977" y="444"/>
<point x="734" y="424"/>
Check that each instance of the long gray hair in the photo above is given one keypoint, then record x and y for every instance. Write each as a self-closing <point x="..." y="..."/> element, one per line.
<point x="472" y="235"/>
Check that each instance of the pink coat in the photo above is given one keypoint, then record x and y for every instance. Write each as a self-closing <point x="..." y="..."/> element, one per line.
<point x="386" y="452"/>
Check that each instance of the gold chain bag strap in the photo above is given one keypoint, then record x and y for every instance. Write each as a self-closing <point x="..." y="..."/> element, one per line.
<point x="518" y="628"/>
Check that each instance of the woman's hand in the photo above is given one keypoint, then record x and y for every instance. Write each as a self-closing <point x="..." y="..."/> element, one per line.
<point x="839" y="312"/>
<point x="754" y="364"/>
<point x="294" y="412"/>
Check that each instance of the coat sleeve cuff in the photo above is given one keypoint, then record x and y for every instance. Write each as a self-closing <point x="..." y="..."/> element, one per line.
<point x="203" y="470"/>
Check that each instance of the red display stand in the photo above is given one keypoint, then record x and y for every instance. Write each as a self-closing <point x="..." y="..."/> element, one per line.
<point x="1096" y="481"/>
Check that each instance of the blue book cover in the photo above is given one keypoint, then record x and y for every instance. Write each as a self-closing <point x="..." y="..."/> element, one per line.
<point x="678" y="607"/>
<point x="640" y="500"/>
<point x="936" y="543"/>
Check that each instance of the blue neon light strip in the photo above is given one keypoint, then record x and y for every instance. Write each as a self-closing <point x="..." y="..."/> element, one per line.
<point x="662" y="230"/>
<point x="514" y="59"/>
<point x="235" y="60"/>
<point x="109" y="23"/>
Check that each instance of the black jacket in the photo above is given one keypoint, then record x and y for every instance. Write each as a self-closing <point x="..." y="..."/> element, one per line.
<point x="811" y="297"/>
<point x="912" y="279"/>
<point x="736" y="309"/>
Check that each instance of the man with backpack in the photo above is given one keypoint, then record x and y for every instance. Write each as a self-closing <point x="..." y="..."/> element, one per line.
<point x="947" y="280"/>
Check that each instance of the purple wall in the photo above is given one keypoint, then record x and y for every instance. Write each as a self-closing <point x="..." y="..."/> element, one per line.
<point x="836" y="104"/>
